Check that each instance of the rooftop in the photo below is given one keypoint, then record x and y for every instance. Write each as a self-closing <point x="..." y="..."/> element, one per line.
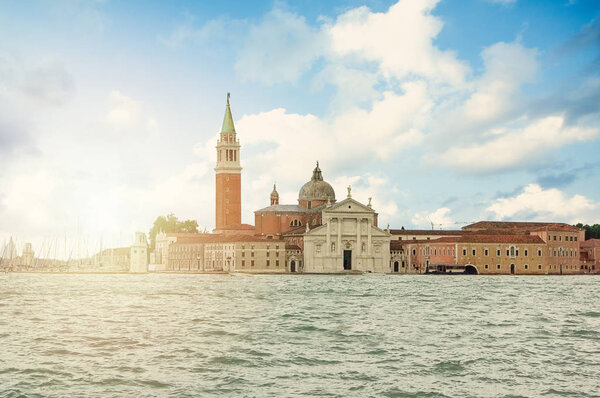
<point x="185" y="238"/>
<point x="417" y="232"/>
<point x="491" y="238"/>
<point x="591" y="243"/>
<point x="520" y="225"/>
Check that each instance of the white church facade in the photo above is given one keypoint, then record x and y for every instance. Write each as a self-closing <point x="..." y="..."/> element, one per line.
<point x="347" y="241"/>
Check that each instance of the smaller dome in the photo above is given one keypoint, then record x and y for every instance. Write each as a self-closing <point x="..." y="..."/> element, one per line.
<point x="316" y="188"/>
<point x="274" y="194"/>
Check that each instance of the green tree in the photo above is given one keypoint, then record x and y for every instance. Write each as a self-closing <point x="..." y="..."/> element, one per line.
<point x="591" y="231"/>
<point x="171" y="224"/>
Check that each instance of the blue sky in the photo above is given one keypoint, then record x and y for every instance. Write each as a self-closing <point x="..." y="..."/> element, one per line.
<point x="444" y="112"/>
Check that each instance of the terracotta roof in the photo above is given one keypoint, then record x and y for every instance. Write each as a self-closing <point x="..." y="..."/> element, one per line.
<point x="491" y="238"/>
<point x="219" y="238"/>
<point x="292" y="247"/>
<point x="426" y="232"/>
<point x="238" y="227"/>
<point x="396" y="244"/>
<point x="282" y="209"/>
<point x="520" y="225"/>
<point x="591" y="243"/>
<point x="300" y="230"/>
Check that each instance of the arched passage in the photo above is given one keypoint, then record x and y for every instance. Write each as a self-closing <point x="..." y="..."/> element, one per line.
<point x="395" y="266"/>
<point x="471" y="269"/>
<point x="292" y="266"/>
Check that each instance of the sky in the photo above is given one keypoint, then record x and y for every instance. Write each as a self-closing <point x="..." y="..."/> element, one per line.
<point x="444" y="112"/>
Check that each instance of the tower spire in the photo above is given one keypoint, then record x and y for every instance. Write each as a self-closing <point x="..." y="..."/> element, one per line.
<point x="228" y="126"/>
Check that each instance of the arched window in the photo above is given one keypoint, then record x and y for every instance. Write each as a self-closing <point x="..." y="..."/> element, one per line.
<point x="333" y="247"/>
<point x="295" y="223"/>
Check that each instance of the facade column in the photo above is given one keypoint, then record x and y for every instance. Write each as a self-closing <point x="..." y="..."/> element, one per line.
<point x="358" y="245"/>
<point x="328" y="238"/>
<point x="369" y="237"/>
<point x="339" y="237"/>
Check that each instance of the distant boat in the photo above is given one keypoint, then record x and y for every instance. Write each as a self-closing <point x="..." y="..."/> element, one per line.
<point x="445" y="269"/>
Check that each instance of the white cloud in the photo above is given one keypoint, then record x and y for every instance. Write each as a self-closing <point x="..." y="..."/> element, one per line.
<point x="436" y="220"/>
<point x="400" y="40"/>
<point x="123" y="110"/>
<point x="279" y="49"/>
<point x="535" y="203"/>
<point x="509" y="148"/>
<point x="507" y="67"/>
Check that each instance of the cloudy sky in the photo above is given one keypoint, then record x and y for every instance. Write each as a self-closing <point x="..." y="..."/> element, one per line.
<point x="445" y="112"/>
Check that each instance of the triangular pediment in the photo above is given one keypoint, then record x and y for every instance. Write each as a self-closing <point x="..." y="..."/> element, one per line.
<point x="348" y="205"/>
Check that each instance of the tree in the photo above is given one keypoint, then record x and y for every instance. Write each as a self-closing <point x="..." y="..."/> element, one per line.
<point x="171" y="224"/>
<point x="591" y="231"/>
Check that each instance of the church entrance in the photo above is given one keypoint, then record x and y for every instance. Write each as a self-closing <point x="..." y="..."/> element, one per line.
<point x="512" y="269"/>
<point x="347" y="259"/>
<point x="293" y="266"/>
<point x="395" y="266"/>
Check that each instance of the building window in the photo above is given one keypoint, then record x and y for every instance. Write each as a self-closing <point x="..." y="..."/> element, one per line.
<point x="474" y="252"/>
<point x="243" y="263"/>
<point x="414" y="252"/>
<point x="539" y="252"/>
<point x="252" y="254"/>
<point x="539" y="266"/>
<point x="268" y="253"/>
<point x="498" y="252"/>
<point x="464" y="252"/>
<point x="268" y="262"/>
<point x="252" y="263"/>
<point x="486" y="252"/>
<point x="526" y="266"/>
<point x="277" y="263"/>
<point x="333" y="247"/>
<point x="243" y="254"/>
<point x="498" y="266"/>
<point x="486" y="266"/>
<point x="295" y="223"/>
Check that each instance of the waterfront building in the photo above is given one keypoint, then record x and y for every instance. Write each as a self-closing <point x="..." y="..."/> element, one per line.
<point x="223" y="253"/>
<point x="112" y="260"/>
<point x="139" y="254"/>
<point x="590" y="256"/>
<point x="494" y="247"/>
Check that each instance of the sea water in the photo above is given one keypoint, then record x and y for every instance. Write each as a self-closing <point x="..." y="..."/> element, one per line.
<point x="299" y="335"/>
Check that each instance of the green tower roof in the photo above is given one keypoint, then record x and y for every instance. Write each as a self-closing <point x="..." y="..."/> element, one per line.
<point x="228" y="120"/>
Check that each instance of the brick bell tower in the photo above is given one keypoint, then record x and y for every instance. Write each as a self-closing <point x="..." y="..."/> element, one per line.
<point x="228" y="176"/>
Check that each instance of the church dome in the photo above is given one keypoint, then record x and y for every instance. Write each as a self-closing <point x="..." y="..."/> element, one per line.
<point x="316" y="189"/>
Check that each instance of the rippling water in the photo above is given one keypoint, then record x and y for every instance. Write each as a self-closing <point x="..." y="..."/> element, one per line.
<point x="221" y="335"/>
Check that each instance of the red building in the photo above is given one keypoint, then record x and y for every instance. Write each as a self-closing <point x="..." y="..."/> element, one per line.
<point x="277" y="219"/>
